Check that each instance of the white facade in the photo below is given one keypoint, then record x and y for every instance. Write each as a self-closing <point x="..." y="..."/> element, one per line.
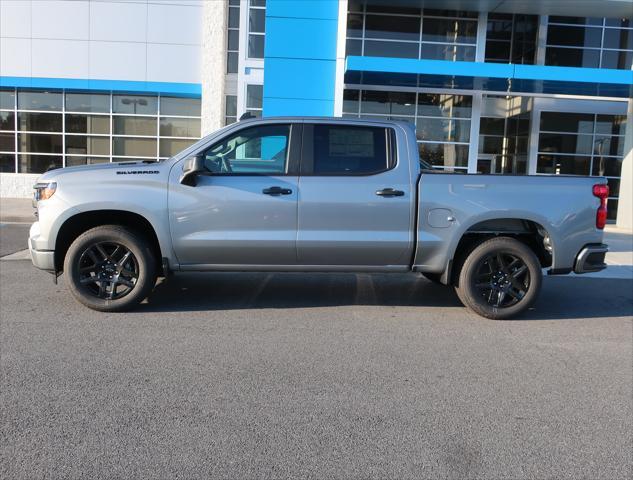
<point x="134" y="40"/>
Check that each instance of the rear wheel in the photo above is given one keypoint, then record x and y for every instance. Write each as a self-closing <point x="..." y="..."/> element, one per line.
<point x="110" y="268"/>
<point x="500" y="278"/>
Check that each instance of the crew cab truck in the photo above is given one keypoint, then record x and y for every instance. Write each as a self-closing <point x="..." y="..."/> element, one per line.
<point x="314" y="195"/>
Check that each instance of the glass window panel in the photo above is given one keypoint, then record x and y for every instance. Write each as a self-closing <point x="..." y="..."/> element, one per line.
<point x="393" y="28"/>
<point x="136" y="104"/>
<point x="611" y="124"/>
<point x="256" y="20"/>
<point x="449" y="13"/>
<point x="342" y="150"/>
<point x="234" y="40"/>
<point x="255" y="113"/>
<point x="574" y="36"/>
<point x="621" y="60"/>
<point x="40" y="122"/>
<point x="134" y="126"/>
<point x="498" y="52"/>
<point x="567" y="122"/>
<point x="32" y="100"/>
<point x="354" y="47"/>
<point x="608" y="145"/>
<point x="7" y="121"/>
<point x="374" y="48"/>
<point x="499" y="26"/>
<point x="444" y="154"/>
<point x="87" y="124"/>
<point x="491" y="145"/>
<point x="38" y="163"/>
<point x="230" y="108"/>
<point x="7" y="99"/>
<point x="619" y="39"/>
<point x="492" y="126"/>
<point x="563" y="165"/>
<point x="618" y="22"/>
<point x="440" y="105"/>
<point x="438" y="129"/>
<point x="170" y="147"/>
<point x="607" y="166"/>
<point x="7" y="142"/>
<point x="229" y="120"/>
<point x="453" y="53"/>
<point x="354" y="25"/>
<point x="355" y="5"/>
<point x="87" y="102"/>
<point x="256" y="46"/>
<point x="257" y="3"/>
<point x="261" y="149"/>
<point x="564" y="143"/>
<point x="454" y="31"/>
<point x="80" y="145"/>
<point x="393" y="9"/>
<point x="39" y="143"/>
<point x="388" y="103"/>
<point x="576" y="20"/>
<point x="254" y="96"/>
<point x="136" y="147"/>
<point x="614" y="187"/>
<point x="234" y="17"/>
<point x="73" y="161"/>
<point x="350" y="101"/>
<point x="180" y="127"/>
<point x="7" y="163"/>
<point x="572" y="57"/>
<point x="612" y="209"/>
<point x="187" y="107"/>
<point x="232" y="62"/>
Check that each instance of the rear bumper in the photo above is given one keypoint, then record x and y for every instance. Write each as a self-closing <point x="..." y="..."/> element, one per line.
<point x="591" y="258"/>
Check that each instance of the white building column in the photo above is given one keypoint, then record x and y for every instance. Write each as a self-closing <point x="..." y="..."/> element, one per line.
<point x="213" y="69"/>
<point x="625" y="203"/>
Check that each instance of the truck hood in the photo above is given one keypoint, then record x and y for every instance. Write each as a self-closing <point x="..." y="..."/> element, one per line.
<point x="121" y="168"/>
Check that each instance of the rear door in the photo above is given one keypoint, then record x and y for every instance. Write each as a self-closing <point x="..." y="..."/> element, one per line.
<point x="356" y="197"/>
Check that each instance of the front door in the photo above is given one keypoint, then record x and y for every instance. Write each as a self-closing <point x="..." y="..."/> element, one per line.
<point x="356" y="200"/>
<point x="243" y="211"/>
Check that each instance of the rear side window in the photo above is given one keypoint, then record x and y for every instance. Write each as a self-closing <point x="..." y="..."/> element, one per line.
<point x="350" y="150"/>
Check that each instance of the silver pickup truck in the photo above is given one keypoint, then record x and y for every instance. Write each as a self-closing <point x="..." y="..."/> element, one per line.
<point x="314" y="195"/>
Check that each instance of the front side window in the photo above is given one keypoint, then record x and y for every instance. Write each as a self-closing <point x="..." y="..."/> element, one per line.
<point x="257" y="150"/>
<point x="349" y="150"/>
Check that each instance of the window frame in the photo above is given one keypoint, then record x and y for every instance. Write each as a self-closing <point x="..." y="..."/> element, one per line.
<point x="292" y="158"/>
<point x="307" y="150"/>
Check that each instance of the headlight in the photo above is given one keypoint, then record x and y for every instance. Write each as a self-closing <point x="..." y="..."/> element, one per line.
<point x="44" y="191"/>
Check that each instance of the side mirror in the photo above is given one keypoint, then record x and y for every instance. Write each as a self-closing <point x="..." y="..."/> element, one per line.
<point x="192" y="167"/>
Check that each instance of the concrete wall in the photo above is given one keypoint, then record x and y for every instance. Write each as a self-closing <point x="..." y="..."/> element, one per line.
<point x="17" y="185"/>
<point x="214" y="38"/>
<point x="625" y="203"/>
<point x="139" y="40"/>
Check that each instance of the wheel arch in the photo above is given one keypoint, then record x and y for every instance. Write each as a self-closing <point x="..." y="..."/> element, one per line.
<point x="526" y="229"/>
<point x="84" y="221"/>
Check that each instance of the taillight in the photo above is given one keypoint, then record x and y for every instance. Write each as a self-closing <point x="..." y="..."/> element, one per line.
<point x="602" y="192"/>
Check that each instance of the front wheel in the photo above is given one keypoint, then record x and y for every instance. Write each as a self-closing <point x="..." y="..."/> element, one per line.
<point x="110" y="268"/>
<point x="500" y="278"/>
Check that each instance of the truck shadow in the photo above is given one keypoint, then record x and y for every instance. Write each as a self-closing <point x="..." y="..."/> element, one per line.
<point x="561" y="297"/>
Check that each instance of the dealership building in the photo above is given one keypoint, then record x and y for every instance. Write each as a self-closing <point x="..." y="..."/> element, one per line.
<point x="493" y="86"/>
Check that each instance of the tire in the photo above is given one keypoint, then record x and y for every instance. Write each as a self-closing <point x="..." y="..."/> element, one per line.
<point x="110" y="268"/>
<point x="499" y="279"/>
<point x="433" y="277"/>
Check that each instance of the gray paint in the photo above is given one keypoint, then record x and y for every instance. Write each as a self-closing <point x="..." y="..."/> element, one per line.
<point x="327" y="223"/>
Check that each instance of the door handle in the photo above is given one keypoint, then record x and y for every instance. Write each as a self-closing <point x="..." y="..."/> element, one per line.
<point x="276" y="191"/>
<point x="389" y="192"/>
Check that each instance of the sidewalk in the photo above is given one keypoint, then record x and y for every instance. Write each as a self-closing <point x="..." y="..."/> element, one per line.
<point x="18" y="210"/>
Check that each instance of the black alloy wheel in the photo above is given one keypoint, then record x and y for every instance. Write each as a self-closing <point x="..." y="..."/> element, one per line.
<point x="503" y="279"/>
<point x="108" y="270"/>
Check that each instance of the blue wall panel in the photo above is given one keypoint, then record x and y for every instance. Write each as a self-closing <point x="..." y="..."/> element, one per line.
<point x="300" y="57"/>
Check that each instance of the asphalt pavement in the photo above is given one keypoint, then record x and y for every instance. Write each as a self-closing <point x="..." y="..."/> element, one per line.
<point x="314" y="376"/>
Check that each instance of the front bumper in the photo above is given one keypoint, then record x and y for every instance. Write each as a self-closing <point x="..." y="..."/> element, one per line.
<point x="591" y="258"/>
<point x="42" y="259"/>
